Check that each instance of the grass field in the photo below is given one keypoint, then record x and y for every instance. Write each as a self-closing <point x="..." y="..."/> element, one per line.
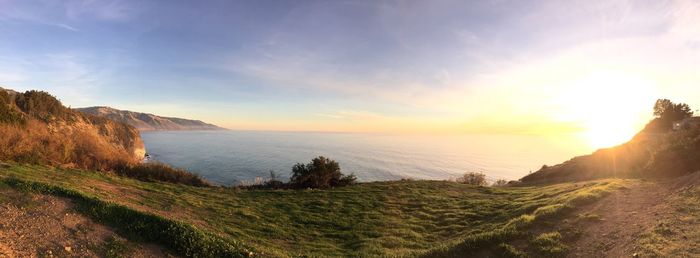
<point x="400" y="218"/>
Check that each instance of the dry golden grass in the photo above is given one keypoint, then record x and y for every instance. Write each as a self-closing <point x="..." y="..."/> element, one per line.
<point x="80" y="144"/>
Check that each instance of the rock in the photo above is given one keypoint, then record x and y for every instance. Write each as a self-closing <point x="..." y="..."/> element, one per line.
<point x="68" y="249"/>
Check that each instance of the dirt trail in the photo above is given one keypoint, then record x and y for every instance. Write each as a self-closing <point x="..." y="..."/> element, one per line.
<point x="623" y="216"/>
<point x="33" y="225"/>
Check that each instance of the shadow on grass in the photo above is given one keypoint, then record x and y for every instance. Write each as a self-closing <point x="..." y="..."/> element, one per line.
<point x="184" y="239"/>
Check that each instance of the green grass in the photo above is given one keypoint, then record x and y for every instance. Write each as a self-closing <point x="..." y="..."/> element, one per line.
<point x="115" y="248"/>
<point x="552" y="206"/>
<point x="549" y="244"/>
<point x="400" y="218"/>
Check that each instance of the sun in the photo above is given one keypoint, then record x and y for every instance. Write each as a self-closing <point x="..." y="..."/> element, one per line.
<point x="601" y="134"/>
<point x="610" y="106"/>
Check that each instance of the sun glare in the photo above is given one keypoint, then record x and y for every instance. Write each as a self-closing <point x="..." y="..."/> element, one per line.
<point x="610" y="106"/>
<point x="609" y="133"/>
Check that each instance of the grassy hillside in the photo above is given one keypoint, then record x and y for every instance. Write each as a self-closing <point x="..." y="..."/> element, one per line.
<point x="666" y="154"/>
<point x="657" y="151"/>
<point x="401" y="218"/>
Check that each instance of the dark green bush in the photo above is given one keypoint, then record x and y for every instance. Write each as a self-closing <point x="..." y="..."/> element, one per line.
<point x="41" y="105"/>
<point x="160" y="172"/>
<point x="7" y="113"/>
<point x="321" y="172"/>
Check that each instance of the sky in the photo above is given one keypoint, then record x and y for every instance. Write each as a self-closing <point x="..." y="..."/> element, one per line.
<point x="443" y="66"/>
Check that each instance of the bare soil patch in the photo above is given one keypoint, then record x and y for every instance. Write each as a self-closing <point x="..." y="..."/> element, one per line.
<point x="33" y="225"/>
<point x="616" y="222"/>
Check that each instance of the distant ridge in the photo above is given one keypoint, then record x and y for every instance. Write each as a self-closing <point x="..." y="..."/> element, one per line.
<point x="149" y="122"/>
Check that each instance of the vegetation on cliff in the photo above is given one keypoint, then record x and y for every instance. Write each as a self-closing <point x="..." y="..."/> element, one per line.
<point x="36" y="128"/>
<point x="656" y="151"/>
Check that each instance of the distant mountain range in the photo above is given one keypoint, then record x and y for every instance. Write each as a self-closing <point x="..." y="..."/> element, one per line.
<point x="148" y="122"/>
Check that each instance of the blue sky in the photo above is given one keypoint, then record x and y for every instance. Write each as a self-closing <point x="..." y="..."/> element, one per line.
<point x="437" y="66"/>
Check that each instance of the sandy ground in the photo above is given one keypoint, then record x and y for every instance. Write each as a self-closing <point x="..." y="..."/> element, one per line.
<point x="34" y="225"/>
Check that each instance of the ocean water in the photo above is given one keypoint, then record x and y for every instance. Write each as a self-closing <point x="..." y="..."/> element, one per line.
<point x="229" y="157"/>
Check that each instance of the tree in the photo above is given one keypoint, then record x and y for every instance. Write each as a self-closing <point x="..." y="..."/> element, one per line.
<point x="41" y="105"/>
<point x="669" y="111"/>
<point x="321" y="172"/>
<point x="8" y="114"/>
<point x="666" y="113"/>
<point x="472" y="178"/>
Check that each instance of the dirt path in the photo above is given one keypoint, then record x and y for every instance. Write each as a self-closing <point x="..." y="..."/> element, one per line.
<point x="620" y="219"/>
<point x="34" y="225"/>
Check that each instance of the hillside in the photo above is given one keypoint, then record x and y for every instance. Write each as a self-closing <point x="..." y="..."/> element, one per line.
<point x="148" y="122"/>
<point x="657" y="151"/>
<point x="378" y="219"/>
<point x="100" y="213"/>
<point x="649" y="154"/>
<point x="36" y="128"/>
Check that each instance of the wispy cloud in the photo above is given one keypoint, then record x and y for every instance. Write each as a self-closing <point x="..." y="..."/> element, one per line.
<point x="66" y="26"/>
<point x="9" y="77"/>
<point x="355" y="115"/>
<point x="450" y="62"/>
<point x="108" y="10"/>
<point x="62" y="13"/>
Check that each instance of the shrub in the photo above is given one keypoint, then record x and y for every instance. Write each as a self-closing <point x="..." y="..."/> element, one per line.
<point x="41" y="105"/>
<point x="274" y="182"/>
<point x="473" y="178"/>
<point x="321" y="172"/>
<point x="500" y="183"/>
<point x="160" y="172"/>
<point x="7" y="113"/>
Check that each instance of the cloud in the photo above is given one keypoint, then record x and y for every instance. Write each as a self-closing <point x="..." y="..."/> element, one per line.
<point x="514" y="71"/>
<point x="11" y="70"/>
<point x="389" y="60"/>
<point x="70" y="75"/>
<point x="107" y="10"/>
<point x="62" y="13"/>
<point x="11" y="77"/>
<point x="352" y="115"/>
<point x="66" y="26"/>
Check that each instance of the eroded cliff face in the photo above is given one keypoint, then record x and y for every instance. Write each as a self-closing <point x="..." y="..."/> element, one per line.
<point x="36" y="128"/>
<point x="115" y="133"/>
<point x="149" y="122"/>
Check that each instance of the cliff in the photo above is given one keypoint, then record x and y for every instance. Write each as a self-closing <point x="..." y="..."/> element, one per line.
<point x="148" y="122"/>
<point x="36" y="128"/>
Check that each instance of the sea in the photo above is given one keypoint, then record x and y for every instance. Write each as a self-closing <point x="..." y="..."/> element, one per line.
<point x="239" y="157"/>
